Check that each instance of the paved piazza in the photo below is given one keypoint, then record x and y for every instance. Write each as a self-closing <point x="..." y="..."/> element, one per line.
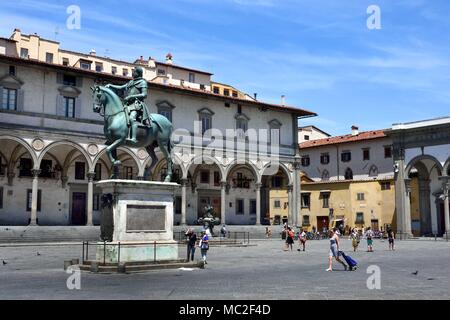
<point x="263" y="271"/>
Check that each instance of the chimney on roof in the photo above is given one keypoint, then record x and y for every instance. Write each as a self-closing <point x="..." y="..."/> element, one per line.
<point x="151" y="62"/>
<point x="255" y="95"/>
<point x="169" y="58"/>
<point x="355" y="130"/>
<point x="93" y="52"/>
<point x="283" y="100"/>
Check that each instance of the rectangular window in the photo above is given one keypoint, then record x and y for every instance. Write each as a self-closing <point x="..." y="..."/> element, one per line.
<point x="346" y="156"/>
<point x="161" y="72"/>
<point x="385" y="186"/>
<point x="80" y="171"/>
<point x="305" y="161"/>
<point x="9" y="99"/>
<point x="49" y="57"/>
<point x="128" y="173"/>
<point x="360" y="196"/>
<point x="306" y="220"/>
<point x="234" y="93"/>
<point x="240" y="206"/>
<point x="30" y="200"/>
<point x="325" y="200"/>
<point x="306" y="137"/>
<point x="306" y="200"/>
<point x="277" y="204"/>
<point x="192" y="77"/>
<point x="25" y="167"/>
<point x="24" y="53"/>
<point x="388" y="152"/>
<point x="242" y="127"/>
<point x="202" y="87"/>
<point x="65" y="62"/>
<point x="114" y="70"/>
<point x="253" y="206"/>
<point x="125" y="72"/>
<point x="166" y="112"/>
<point x="359" y="218"/>
<point x="226" y="92"/>
<point x="239" y="109"/>
<point x="366" y="154"/>
<point x="69" y="104"/>
<point x="98" y="172"/>
<point x="99" y="67"/>
<point x="216" y="178"/>
<point x="85" y="65"/>
<point x="46" y="169"/>
<point x="324" y="158"/>
<point x="206" y="123"/>
<point x="12" y="70"/>
<point x="204" y="176"/>
<point x="216" y="90"/>
<point x="69" y="80"/>
<point x="96" y="202"/>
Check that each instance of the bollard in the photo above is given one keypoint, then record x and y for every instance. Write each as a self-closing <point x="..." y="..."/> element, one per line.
<point x="67" y="264"/>
<point x="94" y="267"/>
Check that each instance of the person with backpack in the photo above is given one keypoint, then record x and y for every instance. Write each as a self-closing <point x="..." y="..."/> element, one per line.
<point x="289" y="239"/>
<point x="369" y="237"/>
<point x="204" y="246"/>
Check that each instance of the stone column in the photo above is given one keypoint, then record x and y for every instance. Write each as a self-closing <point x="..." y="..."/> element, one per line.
<point x="90" y="198"/>
<point x="446" y="194"/>
<point x="407" y="216"/>
<point x="223" y="189"/>
<point x="184" y="183"/>
<point x="290" y="188"/>
<point x="258" y="203"/>
<point x="402" y="195"/>
<point x="34" y="197"/>
<point x="297" y="215"/>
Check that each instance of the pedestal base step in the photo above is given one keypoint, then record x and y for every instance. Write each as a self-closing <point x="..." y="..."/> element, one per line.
<point x="141" y="266"/>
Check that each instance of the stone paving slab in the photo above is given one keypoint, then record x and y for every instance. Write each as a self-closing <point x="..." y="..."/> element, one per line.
<point x="262" y="272"/>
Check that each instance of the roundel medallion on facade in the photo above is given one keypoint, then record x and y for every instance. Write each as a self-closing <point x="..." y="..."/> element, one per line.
<point x="142" y="154"/>
<point x="92" y="149"/>
<point x="38" y="144"/>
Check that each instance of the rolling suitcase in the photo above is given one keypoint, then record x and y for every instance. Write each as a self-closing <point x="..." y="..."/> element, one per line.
<point x="350" y="261"/>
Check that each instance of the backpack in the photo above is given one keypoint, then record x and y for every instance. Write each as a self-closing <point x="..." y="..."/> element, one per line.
<point x="291" y="234"/>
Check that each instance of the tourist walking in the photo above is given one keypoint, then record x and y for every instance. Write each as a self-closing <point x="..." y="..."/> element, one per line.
<point x="289" y="239"/>
<point x="355" y="239"/>
<point x="192" y="241"/>
<point x="334" y="250"/>
<point x="301" y="239"/>
<point x="391" y="238"/>
<point x="369" y="236"/>
<point x="204" y="246"/>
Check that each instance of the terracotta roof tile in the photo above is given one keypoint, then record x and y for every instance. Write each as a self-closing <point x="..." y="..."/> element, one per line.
<point x="366" y="135"/>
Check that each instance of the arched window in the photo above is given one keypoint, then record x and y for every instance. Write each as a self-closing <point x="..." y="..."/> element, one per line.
<point x="325" y="175"/>
<point x="373" y="171"/>
<point x="348" y="174"/>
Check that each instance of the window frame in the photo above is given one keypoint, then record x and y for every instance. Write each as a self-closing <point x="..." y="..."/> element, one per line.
<point x="366" y="154"/>
<point x="80" y="167"/>
<point x="325" y="199"/>
<point x="67" y="112"/>
<point x="305" y="204"/>
<point x="306" y="160"/>
<point x="387" y="154"/>
<point x="49" y="55"/>
<point x="360" y="196"/>
<point x="24" y="50"/>
<point x="346" y="156"/>
<point x="238" y="202"/>
<point x="7" y="98"/>
<point x="204" y="174"/>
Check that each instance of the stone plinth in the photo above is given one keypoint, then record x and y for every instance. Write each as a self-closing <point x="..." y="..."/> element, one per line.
<point x="142" y="215"/>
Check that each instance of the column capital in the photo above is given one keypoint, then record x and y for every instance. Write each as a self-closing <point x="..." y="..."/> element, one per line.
<point x="35" y="173"/>
<point x="184" y="182"/>
<point x="90" y="176"/>
<point x="11" y="176"/>
<point x="408" y="185"/>
<point x="258" y="185"/>
<point x="223" y="184"/>
<point x="64" y="180"/>
<point x="290" y="188"/>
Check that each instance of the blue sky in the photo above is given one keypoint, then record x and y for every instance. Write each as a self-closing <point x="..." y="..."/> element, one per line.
<point x="318" y="53"/>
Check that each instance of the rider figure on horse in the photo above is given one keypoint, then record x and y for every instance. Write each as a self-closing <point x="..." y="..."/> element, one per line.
<point x="134" y="105"/>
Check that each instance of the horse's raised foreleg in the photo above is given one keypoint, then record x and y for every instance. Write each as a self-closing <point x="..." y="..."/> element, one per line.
<point x="151" y="151"/>
<point x="165" y="148"/>
<point x="111" y="150"/>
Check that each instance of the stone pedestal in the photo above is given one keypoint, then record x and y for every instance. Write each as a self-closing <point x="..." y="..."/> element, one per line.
<point x="142" y="215"/>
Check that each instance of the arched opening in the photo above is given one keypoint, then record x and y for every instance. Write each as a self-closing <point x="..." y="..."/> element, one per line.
<point x="242" y="182"/>
<point x="17" y="162"/>
<point x="129" y="170"/>
<point x="275" y="204"/>
<point x="427" y="210"/>
<point x="348" y="174"/>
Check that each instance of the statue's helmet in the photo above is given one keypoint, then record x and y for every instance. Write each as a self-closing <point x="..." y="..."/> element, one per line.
<point x="138" y="72"/>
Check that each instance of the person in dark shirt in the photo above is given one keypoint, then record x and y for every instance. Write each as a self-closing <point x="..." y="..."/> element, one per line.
<point x="192" y="240"/>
